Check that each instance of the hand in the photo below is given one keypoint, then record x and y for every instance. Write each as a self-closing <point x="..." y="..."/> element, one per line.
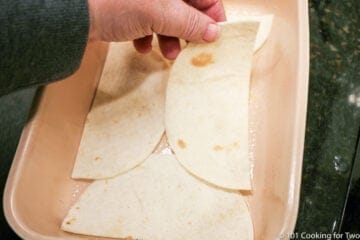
<point x="137" y="20"/>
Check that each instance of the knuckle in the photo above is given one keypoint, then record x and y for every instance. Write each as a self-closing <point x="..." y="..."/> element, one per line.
<point x="192" y="26"/>
<point x="156" y="17"/>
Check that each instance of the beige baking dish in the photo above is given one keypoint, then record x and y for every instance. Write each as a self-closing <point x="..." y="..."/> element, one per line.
<point x="39" y="190"/>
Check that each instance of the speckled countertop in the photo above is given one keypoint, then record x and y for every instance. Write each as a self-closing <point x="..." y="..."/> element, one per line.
<point x="330" y="195"/>
<point x="333" y="119"/>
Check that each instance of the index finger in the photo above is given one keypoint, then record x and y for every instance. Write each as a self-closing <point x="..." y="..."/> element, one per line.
<point x="212" y="8"/>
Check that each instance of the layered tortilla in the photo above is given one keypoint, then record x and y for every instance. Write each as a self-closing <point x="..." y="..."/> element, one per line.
<point x="207" y="106"/>
<point x="126" y="120"/>
<point x="159" y="200"/>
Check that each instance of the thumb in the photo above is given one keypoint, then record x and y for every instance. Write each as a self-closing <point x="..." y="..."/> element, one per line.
<point x="188" y="23"/>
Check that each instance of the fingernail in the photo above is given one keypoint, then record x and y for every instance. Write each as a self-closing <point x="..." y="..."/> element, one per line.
<point x="212" y="33"/>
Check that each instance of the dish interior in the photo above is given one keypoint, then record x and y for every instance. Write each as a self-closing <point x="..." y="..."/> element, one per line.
<point x="39" y="190"/>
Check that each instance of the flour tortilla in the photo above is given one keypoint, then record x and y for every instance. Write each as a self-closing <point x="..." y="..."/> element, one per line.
<point x="206" y="114"/>
<point x="125" y="122"/>
<point x="235" y="12"/>
<point x="159" y="200"/>
<point x="265" y="22"/>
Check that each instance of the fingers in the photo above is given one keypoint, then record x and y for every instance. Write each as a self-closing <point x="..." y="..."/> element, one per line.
<point x="169" y="46"/>
<point x="212" y="8"/>
<point x="184" y="21"/>
<point x="143" y="45"/>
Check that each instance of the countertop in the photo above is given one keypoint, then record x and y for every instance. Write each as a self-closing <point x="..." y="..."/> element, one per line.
<point x="333" y="120"/>
<point x="330" y="193"/>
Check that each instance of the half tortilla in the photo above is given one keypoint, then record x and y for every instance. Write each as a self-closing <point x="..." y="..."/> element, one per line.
<point x="125" y="122"/>
<point x="265" y="22"/>
<point x="207" y="107"/>
<point x="159" y="200"/>
<point x="234" y="12"/>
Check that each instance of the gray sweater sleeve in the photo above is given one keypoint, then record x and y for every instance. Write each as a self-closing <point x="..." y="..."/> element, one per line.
<point x="40" y="41"/>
